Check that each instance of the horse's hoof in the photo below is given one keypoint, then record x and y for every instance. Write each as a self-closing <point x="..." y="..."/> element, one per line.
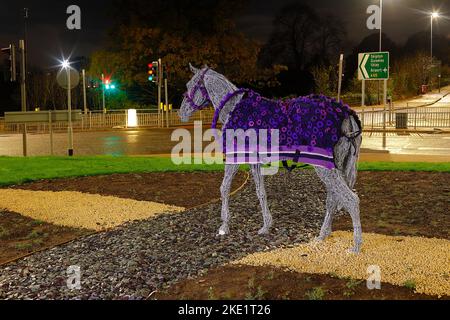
<point x="355" y="250"/>
<point x="263" y="231"/>
<point x="323" y="236"/>
<point x="319" y="239"/>
<point x="223" y="231"/>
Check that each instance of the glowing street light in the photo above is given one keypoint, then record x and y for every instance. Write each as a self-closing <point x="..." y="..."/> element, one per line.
<point x="434" y="15"/>
<point x="66" y="66"/>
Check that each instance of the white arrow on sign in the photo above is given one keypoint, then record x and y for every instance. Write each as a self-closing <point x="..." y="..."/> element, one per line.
<point x="363" y="66"/>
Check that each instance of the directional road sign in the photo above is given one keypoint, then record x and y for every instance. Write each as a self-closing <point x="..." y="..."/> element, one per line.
<point x="373" y="66"/>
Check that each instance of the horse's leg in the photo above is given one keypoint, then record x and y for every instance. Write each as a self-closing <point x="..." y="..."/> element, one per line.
<point x="230" y="172"/>
<point x="331" y="204"/>
<point x="346" y="198"/>
<point x="261" y="192"/>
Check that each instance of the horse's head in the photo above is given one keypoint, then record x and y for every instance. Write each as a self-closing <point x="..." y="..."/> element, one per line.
<point x="196" y="96"/>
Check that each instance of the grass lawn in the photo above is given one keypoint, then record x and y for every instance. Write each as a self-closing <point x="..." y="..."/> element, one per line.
<point x="17" y="170"/>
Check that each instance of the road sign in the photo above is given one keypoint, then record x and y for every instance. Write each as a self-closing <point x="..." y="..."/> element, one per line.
<point x="373" y="66"/>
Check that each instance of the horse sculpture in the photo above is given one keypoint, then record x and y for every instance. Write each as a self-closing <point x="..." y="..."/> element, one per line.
<point x="316" y="130"/>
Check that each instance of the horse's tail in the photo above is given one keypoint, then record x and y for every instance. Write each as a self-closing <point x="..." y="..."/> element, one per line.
<point x="348" y="148"/>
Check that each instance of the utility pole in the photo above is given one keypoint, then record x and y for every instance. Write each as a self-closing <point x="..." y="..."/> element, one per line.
<point x="84" y="91"/>
<point x="23" y="75"/>
<point x="167" y="102"/>
<point x="160" y="112"/>
<point x="23" y="92"/>
<point x="103" y="93"/>
<point x="381" y="38"/>
<point x="25" y="35"/>
<point x="69" y="107"/>
<point x="341" y="67"/>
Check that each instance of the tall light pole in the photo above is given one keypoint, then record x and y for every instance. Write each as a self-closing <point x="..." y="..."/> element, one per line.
<point x="25" y="44"/>
<point x="381" y="38"/>
<point x="433" y="15"/>
<point x="381" y="22"/>
<point x="103" y="93"/>
<point x="84" y="92"/>
<point x="66" y="66"/>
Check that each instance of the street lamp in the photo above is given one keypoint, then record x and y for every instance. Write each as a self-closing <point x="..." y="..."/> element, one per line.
<point x="381" y="22"/>
<point x="434" y="15"/>
<point x="66" y="66"/>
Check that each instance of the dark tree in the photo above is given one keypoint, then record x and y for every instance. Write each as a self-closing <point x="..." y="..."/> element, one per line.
<point x="331" y="34"/>
<point x="181" y="16"/>
<point x="302" y="40"/>
<point x="179" y="32"/>
<point x="293" y="37"/>
<point x="421" y="42"/>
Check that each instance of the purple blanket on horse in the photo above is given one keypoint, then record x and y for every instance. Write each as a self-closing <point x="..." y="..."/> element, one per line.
<point x="309" y="127"/>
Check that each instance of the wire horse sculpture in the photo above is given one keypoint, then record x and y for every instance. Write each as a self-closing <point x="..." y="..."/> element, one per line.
<point x="335" y="165"/>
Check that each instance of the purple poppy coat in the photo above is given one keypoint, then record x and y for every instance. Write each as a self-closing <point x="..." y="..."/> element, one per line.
<point x="309" y="128"/>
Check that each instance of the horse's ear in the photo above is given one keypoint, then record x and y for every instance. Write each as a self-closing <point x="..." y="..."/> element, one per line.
<point x="193" y="69"/>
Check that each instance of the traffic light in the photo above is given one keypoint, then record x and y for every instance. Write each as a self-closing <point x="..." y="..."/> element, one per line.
<point x="153" y="71"/>
<point x="109" y="85"/>
<point x="11" y="51"/>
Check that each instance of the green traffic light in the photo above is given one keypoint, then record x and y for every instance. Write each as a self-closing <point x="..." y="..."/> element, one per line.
<point x="110" y="87"/>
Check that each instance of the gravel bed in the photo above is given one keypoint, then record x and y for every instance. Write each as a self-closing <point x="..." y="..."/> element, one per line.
<point x="134" y="260"/>
<point x="80" y="210"/>
<point x="422" y="262"/>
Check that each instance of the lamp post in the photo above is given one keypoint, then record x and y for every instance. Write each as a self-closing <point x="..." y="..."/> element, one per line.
<point x="381" y="38"/>
<point x="103" y="93"/>
<point x="381" y="22"/>
<point x="66" y="66"/>
<point x="433" y="15"/>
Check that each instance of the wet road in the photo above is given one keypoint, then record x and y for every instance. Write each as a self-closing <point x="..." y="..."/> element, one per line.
<point x="158" y="141"/>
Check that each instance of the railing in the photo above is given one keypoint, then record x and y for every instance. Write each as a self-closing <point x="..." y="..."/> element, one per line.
<point x="416" y="118"/>
<point x="111" y="120"/>
<point x="423" y="117"/>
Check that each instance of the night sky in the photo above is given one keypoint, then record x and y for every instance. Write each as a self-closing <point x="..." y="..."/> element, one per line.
<point x="49" y="38"/>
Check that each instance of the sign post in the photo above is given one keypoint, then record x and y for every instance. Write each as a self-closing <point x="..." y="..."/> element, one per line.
<point x="341" y="66"/>
<point x="375" y="66"/>
<point x="23" y="92"/>
<point x="68" y="78"/>
<point x="160" y="113"/>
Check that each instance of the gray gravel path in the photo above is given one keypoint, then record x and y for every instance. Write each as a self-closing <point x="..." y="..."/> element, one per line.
<point x="138" y="258"/>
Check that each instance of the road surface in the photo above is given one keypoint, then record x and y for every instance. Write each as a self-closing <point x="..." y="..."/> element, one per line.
<point x="158" y="141"/>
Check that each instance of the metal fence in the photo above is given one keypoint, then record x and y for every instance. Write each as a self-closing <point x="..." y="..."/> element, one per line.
<point x="408" y="118"/>
<point x="413" y="118"/>
<point x="111" y="120"/>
